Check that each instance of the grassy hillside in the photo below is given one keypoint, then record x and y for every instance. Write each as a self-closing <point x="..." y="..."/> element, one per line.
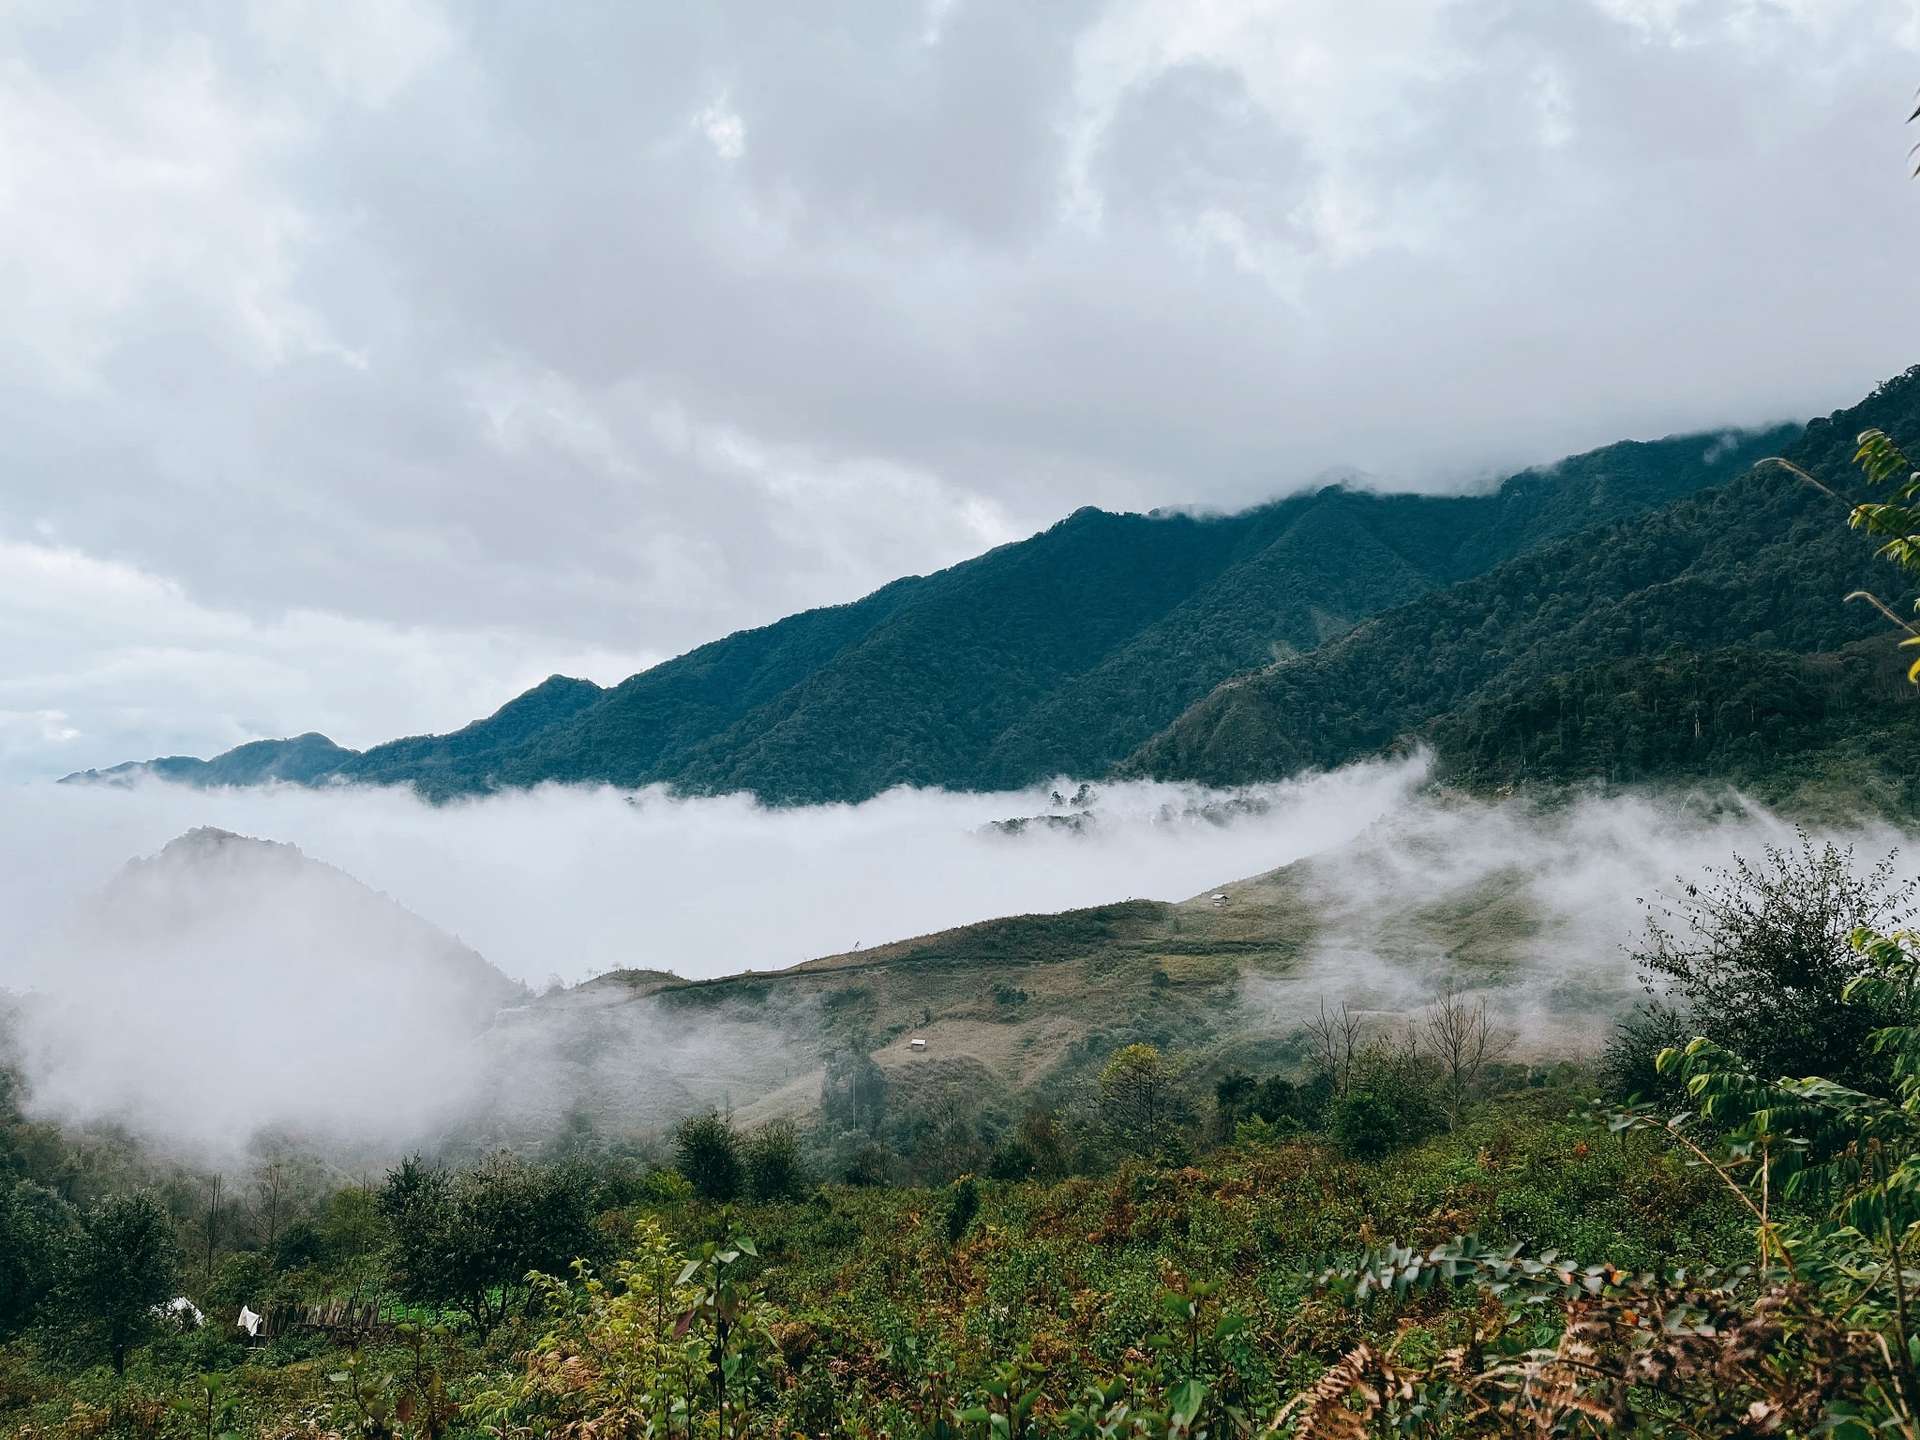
<point x="1024" y="1010"/>
<point x="1059" y="654"/>
<point x="1762" y="563"/>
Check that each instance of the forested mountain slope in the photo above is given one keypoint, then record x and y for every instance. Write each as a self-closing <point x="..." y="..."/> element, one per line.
<point x="1648" y="647"/>
<point x="1057" y="654"/>
<point x="299" y="760"/>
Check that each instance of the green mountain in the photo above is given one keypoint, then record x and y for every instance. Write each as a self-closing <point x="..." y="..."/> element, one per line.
<point x="301" y="761"/>
<point x="1708" y="637"/>
<point x="1059" y="654"/>
<point x="426" y="759"/>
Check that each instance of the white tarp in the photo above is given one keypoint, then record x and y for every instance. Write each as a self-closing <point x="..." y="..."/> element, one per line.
<point x="182" y="1311"/>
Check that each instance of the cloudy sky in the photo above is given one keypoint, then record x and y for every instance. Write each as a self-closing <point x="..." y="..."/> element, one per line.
<point x="362" y="363"/>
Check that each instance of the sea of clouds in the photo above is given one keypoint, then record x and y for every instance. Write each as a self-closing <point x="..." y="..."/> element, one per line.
<point x="205" y="1004"/>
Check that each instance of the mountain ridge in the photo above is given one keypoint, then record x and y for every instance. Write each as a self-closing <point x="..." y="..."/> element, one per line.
<point x="1758" y="565"/>
<point x="1061" y="653"/>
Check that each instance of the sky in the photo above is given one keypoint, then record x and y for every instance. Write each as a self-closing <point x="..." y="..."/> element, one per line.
<point x="364" y="362"/>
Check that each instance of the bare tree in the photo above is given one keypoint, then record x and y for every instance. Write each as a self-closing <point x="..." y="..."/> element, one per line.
<point x="268" y="1185"/>
<point x="213" y="1220"/>
<point x="1336" y="1040"/>
<point x="1464" y="1042"/>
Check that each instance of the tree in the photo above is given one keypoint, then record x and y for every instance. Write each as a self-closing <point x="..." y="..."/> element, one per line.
<point x="470" y="1238"/>
<point x="1335" y="1039"/>
<point x="1138" y="1106"/>
<point x="707" y="1152"/>
<point x="1365" y="1123"/>
<point x="1233" y="1097"/>
<point x="1037" y="1149"/>
<point x="853" y="1092"/>
<point x="121" y="1262"/>
<point x="1631" y="1065"/>
<point x="34" y="1225"/>
<point x="270" y="1188"/>
<point x="963" y="1203"/>
<point x="350" y="1227"/>
<point x="1463" y="1042"/>
<point x="773" y="1165"/>
<point x="1279" y="1101"/>
<point x="1757" y="958"/>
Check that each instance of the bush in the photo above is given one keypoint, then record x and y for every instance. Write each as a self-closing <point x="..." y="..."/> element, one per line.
<point x="351" y="1225"/>
<point x="301" y="1244"/>
<point x="1258" y="1130"/>
<point x="869" y="1164"/>
<point x="1756" y="957"/>
<point x="1627" y="1068"/>
<point x="963" y="1203"/>
<point x="1390" y="1102"/>
<point x="243" y="1278"/>
<point x="663" y="1187"/>
<point x="1366" y="1124"/>
<point x="707" y="1152"/>
<point x="1139" y="1107"/>
<point x="34" y="1224"/>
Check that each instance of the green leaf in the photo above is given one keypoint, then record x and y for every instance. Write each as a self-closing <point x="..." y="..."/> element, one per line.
<point x="1186" y="1399"/>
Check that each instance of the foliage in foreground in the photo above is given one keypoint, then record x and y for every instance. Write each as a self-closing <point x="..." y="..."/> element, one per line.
<point x="1187" y="1297"/>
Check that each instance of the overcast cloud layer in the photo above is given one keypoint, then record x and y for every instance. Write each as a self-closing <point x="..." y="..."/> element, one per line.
<point x="365" y="362"/>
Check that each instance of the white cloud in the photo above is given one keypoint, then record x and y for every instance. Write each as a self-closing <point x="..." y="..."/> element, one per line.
<point x="575" y="882"/>
<point x="106" y="661"/>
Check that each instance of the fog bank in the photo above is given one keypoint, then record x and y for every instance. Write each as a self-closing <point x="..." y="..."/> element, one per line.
<point x="1535" y="908"/>
<point x="572" y="882"/>
<point x="223" y="987"/>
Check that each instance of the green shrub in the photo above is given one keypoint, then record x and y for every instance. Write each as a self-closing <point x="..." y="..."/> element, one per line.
<point x="1367" y="1124"/>
<point x="468" y="1239"/>
<point x="963" y="1203"/>
<point x="34" y="1225"/>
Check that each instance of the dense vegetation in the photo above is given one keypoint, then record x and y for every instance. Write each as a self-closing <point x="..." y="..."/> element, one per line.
<point x="1769" y="720"/>
<point x="1059" y="654"/>
<point x="1087" y="1249"/>
<point x="1619" y="652"/>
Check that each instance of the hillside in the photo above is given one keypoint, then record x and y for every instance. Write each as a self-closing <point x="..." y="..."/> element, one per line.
<point x="1058" y="654"/>
<point x="1634" y="651"/>
<point x="1023" y="1009"/>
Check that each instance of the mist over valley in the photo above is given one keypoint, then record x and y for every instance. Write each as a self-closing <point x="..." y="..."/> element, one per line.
<point x="960" y="721"/>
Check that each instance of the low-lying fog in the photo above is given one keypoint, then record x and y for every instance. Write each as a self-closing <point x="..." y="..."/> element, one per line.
<point x="572" y="883"/>
<point x="203" y="1004"/>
